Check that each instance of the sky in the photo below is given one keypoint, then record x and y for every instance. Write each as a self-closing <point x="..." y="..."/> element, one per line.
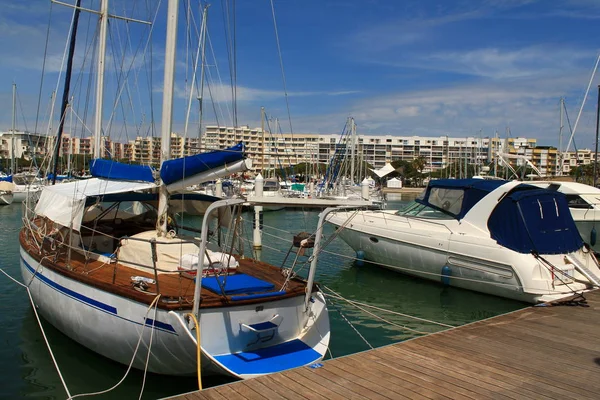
<point x="403" y="68"/>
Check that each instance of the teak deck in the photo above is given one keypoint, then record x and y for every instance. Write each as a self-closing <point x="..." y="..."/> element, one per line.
<point x="177" y="292"/>
<point x="534" y="353"/>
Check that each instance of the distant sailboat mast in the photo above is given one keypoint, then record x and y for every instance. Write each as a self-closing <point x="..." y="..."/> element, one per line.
<point x="14" y="127"/>
<point x="66" y="89"/>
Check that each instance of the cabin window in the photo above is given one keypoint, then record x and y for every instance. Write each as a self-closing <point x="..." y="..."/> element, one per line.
<point x="576" y="201"/>
<point x="449" y="200"/>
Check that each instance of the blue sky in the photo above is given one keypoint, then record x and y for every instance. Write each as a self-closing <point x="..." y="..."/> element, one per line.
<point x="414" y="67"/>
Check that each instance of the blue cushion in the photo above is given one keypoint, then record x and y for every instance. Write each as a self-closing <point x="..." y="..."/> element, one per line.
<point x="292" y="354"/>
<point x="236" y="284"/>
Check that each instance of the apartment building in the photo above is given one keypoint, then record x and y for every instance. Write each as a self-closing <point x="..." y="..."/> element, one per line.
<point x="271" y="151"/>
<point x="21" y="144"/>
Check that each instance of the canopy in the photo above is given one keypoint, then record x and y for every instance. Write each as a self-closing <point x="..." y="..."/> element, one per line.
<point x="536" y="220"/>
<point x="387" y="169"/>
<point x="457" y="196"/>
<point x="65" y="203"/>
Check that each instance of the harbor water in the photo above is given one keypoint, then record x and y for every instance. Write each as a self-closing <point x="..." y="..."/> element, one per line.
<point x="27" y="370"/>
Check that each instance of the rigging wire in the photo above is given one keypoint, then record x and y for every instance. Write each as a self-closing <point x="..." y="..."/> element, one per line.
<point x="287" y="102"/>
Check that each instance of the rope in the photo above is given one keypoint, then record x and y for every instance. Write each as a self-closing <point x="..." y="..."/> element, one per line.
<point x="155" y="301"/>
<point x="198" y="350"/>
<point x="387" y="311"/>
<point x="384" y="320"/>
<point x="350" y="323"/>
<point x="37" y="317"/>
<point x="149" y="348"/>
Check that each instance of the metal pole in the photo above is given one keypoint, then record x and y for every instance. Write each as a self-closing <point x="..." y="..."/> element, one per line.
<point x="66" y="90"/>
<point x="98" y="151"/>
<point x="597" y="123"/>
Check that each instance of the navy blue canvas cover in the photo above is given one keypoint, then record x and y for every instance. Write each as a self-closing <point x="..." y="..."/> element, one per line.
<point x="474" y="190"/>
<point x="180" y="168"/>
<point x="535" y="220"/>
<point x="109" y="169"/>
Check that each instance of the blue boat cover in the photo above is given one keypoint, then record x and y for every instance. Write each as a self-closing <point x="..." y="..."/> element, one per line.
<point x="180" y="168"/>
<point x="6" y="178"/>
<point x="281" y="357"/>
<point x="462" y="194"/>
<point x="109" y="169"/>
<point x="236" y="284"/>
<point x="50" y="177"/>
<point x="536" y="220"/>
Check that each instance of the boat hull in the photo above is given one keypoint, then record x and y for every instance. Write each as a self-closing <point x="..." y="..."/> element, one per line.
<point x="6" y="199"/>
<point x="111" y="325"/>
<point x="430" y="251"/>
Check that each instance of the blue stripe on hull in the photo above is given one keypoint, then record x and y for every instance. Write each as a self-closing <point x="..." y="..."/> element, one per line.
<point x="159" y="326"/>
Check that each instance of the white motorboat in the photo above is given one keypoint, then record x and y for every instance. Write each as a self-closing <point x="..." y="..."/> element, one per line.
<point x="503" y="238"/>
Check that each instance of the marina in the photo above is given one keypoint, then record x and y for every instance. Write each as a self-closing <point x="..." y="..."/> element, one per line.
<point x="550" y="352"/>
<point x="162" y="238"/>
<point x="29" y="370"/>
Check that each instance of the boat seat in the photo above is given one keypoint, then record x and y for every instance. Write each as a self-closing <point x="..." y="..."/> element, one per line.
<point x="236" y="284"/>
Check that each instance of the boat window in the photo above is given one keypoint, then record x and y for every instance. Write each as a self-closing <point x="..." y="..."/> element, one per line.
<point x="575" y="201"/>
<point x="449" y="200"/>
<point x="414" y="209"/>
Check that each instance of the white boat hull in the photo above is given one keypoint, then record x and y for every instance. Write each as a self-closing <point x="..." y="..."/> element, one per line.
<point x="111" y="325"/>
<point x="6" y="199"/>
<point x="21" y="193"/>
<point x="429" y="251"/>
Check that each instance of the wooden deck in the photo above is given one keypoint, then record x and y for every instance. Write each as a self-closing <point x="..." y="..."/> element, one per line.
<point x="534" y="353"/>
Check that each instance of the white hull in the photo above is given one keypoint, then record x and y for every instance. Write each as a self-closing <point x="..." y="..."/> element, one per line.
<point x="585" y="226"/>
<point x="21" y="192"/>
<point x="110" y="325"/>
<point x="420" y="248"/>
<point x="6" y="199"/>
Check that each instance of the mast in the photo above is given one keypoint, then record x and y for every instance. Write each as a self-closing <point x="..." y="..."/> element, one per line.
<point x="66" y="89"/>
<point x="167" y="110"/>
<point x="560" y="138"/>
<point x="262" y="128"/>
<point x="201" y="111"/>
<point x="596" y="151"/>
<point x="14" y="127"/>
<point x="352" y="144"/>
<point x="100" y="79"/>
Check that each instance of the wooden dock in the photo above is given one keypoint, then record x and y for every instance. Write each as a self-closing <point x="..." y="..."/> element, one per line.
<point x="534" y="353"/>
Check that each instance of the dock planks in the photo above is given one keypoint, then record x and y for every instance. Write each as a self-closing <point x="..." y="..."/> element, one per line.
<point x="534" y="353"/>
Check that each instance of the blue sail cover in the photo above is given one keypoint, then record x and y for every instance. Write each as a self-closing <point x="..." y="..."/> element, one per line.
<point x="468" y="193"/>
<point x="6" y="178"/>
<point x="536" y="220"/>
<point x="109" y="169"/>
<point x="181" y="168"/>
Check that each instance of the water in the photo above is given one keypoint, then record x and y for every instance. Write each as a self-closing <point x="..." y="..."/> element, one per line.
<point x="27" y="370"/>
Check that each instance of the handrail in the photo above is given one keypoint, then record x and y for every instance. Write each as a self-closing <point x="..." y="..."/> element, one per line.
<point x="203" y="240"/>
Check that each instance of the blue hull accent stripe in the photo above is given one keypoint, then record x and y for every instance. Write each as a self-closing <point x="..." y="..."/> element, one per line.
<point x="159" y="326"/>
<point x="292" y="354"/>
<point x="70" y="293"/>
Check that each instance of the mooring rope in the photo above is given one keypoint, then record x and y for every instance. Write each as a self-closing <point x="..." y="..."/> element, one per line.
<point x="355" y="303"/>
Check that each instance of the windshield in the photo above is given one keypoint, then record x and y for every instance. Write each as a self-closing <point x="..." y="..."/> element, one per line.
<point x="414" y="209"/>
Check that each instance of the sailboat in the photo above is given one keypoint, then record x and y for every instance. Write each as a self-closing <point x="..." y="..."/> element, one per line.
<point x="23" y="184"/>
<point x="110" y="265"/>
